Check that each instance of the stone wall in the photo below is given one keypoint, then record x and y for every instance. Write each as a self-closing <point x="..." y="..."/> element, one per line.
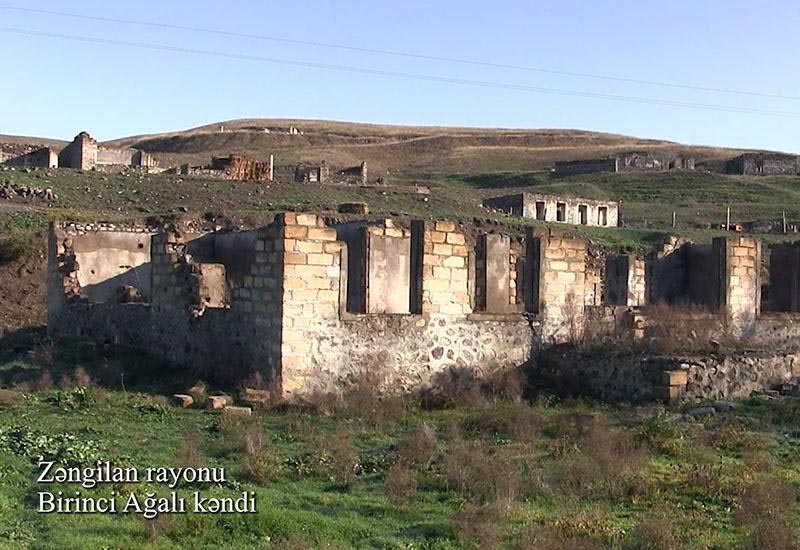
<point x="675" y="379"/>
<point x="81" y="154"/>
<point x="285" y="318"/>
<point x="625" y="281"/>
<point x="740" y="281"/>
<point x="40" y="158"/>
<point x="274" y="302"/>
<point x="784" y="277"/>
<point x="588" y="166"/>
<point x="560" y="275"/>
<point x="243" y="168"/>
<point x="763" y="164"/>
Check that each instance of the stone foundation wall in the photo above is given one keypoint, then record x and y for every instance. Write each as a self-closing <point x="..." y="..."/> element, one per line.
<point x="675" y="379"/>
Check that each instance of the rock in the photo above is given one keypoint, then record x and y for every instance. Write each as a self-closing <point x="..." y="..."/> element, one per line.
<point x="198" y="390"/>
<point x="237" y="411"/>
<point x="183" y="400"/>
<point x="354" y="208"/>
<point x="218" y="402"/>
<point x="253" y="396"/>
<point x="702" y="411"/>
<point x="724" y="406"/>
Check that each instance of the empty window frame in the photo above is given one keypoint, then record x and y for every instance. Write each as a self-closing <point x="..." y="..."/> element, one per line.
<point x="540" y="210"/>
<point x="602" y="215"/>
<point x="583" y="214"/>
<point x="561" y="211"/>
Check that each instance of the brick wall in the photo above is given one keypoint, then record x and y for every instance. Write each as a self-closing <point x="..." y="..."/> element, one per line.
<point x="739" y="283"/>
<point x="445" y="270"/>
<point x="561" y="276"/>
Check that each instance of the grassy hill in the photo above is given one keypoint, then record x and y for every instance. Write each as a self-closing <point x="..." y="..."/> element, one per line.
<point x="405" y="152"/>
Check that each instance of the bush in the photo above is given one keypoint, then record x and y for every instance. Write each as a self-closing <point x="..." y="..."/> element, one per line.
<point x="10" y="399"/>
<point x="401" y="483"/>
<point x="548" y="538"/>
<point x="454" y="387"/>
<point x="241" y="434"/>
<point x="418" y="447"/>
<point x="189" y="454"/>
<point x="337" y="458"/>
<point x="480" y="475"/>
<point x="766" y="509"/>
<point x="653" y="534"/>
<point x="476" y="526"/>
<point x="607" y="456"/>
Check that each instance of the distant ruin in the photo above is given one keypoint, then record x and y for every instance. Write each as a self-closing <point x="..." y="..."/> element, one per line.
<point x="635" y="161"/>
<point x="763" y="164"/>
<point x="321" y="173"/>
<point x="84" y="153"/>
<point x="306" y="303"/>
<point x="551" y="208"/>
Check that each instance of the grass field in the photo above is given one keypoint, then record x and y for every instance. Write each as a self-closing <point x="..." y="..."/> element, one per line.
<point x="485" y="471"/>
<point x="699" y="199"/>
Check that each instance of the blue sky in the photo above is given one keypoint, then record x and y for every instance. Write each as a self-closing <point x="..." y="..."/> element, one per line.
<point x="56" y="87"/>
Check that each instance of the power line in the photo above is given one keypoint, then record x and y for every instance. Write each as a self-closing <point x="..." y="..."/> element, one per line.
<point x="406" y="75"/>
<point x="411" y="55"/>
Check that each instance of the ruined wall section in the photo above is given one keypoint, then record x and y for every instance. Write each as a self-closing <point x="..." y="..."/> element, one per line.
<point x="81" y="154"/>
<point x="626" y="282"/>
<point x="562" y="288"/>
<point x="445" y="270"/>
<point x="739" y="281"/>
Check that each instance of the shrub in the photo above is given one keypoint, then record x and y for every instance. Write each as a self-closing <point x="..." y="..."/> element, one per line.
<point x="482" y="476"/>
<point x="653" y="533"/>
<point x="401" y="483"/>
<point x="766" y="510"/>
<point x="418" y="447"/>
<point x="454" y="387"/>
<point x="189" y="454"/>
<point x="157" y="526"/>
<point x="10" y="399"/>
<point x="242" y="434"/>
<point x="78" y="379"/>
<point x="476" y="526"/>
<point x="337" y="458"/>
<point x="548" y="538"/>
<point x="607" y="456"/>
<point x="509" y="384"/>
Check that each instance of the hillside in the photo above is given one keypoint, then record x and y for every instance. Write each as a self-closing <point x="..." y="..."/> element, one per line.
<point x="404" y="153"/>
<point x="414" y="152"/>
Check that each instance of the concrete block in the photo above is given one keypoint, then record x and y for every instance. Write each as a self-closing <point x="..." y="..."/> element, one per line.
<point x="675" y="377"/>
<point x="218" y="402"/>
<point x="183" y="400"/>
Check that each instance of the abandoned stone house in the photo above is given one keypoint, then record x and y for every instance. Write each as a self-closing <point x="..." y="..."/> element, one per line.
<point x="550" y="208"/>
<point x="763" y="164"/>
<point x="322" y="173"/>
<point x="306" y="305"/>
<point x="43" y="157"/>
<point x="634" y="161"/>
<point x="84" y="153"/>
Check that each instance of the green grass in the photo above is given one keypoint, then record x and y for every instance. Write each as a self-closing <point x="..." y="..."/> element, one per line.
<point x="699" y="200"/>
<point x="692" y="473"/>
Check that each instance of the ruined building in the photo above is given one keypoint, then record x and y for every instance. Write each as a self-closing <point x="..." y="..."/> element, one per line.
<point x="322" y="173"/>
<point x="635" y="161"/>
<point x="43" y="157"/>
<point x="557" y="209"/>
<point x="84" y="153"/>
<point x="307" y="304"/>
<point x="244" y="168"/>
<point x="763" y="164"/>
